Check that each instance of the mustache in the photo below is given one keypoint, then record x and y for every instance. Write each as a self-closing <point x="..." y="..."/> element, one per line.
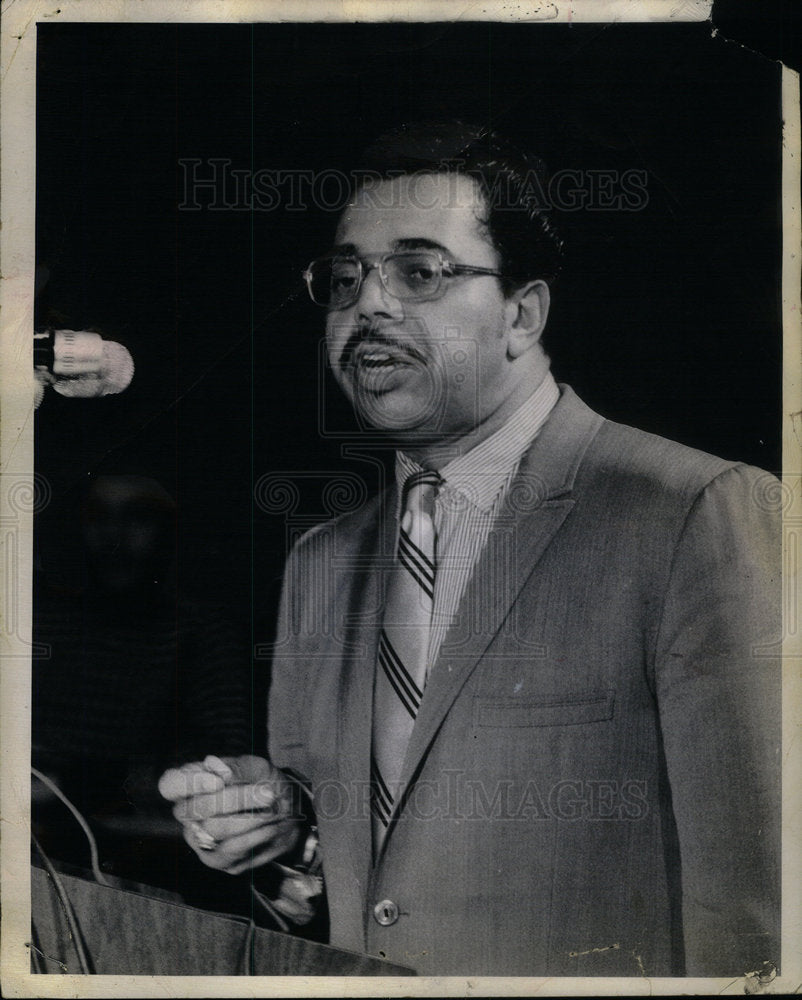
<point x="375" y="336"/>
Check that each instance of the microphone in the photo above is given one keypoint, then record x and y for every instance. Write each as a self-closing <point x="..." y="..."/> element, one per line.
<point x="78" y="363"/>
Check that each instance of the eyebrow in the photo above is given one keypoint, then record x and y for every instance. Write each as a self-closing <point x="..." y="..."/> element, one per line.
<point x="419" y="243"/>
<point x="408" y="243"/>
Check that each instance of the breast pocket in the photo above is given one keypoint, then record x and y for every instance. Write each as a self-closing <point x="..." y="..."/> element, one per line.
<point x="555" y="710"/>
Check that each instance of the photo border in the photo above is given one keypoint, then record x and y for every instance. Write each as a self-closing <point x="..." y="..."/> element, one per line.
<point x="20" y="493"/>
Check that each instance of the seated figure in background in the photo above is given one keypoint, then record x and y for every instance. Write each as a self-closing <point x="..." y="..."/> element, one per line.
<point x="134" y="679"/>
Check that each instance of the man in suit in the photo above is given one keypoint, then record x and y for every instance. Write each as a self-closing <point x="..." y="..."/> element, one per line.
<point x="530" y="690"/>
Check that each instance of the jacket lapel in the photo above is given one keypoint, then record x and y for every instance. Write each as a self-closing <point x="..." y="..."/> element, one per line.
<point x="365" y="564"/>
<point x="537" y="504"/>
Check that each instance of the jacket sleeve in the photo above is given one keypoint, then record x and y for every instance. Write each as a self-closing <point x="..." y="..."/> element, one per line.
<point x="305" y="619"/>
<point x="292" y="894"/>
<point x="288" y="682"/>
<point x="717" y="671"/>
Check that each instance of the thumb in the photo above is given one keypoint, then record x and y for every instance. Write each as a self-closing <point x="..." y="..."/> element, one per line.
<point x="243" y="770"/>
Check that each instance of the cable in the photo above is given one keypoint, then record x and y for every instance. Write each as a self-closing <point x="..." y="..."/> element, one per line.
<point x="72" y="921"/>
<point x="99" y="876"/>
<point x="247" y="950"/>
<point x="38" y="956"/>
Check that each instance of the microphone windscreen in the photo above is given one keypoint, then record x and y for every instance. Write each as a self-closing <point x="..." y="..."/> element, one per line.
<point x="117" y="368"/>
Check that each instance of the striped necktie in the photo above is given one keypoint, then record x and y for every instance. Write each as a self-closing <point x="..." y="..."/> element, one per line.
<point x="403" y="646"/>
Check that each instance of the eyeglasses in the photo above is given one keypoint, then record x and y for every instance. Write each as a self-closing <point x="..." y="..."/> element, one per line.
<point x="409" y="275"/>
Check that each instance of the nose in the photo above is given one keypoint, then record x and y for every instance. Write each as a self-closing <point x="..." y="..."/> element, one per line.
<point x="374" y="300"/>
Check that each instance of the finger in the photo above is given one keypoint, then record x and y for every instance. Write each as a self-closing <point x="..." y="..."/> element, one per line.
<point x="225" y="802"/>
<point x="224" y="827"/>
<point x="218" y="767"/>
<point x="202" y="838"/>
<point x="213" y="773"/>
<point x="240" y="851"/>
<point x="244" y="770"/>
<point x="266" y="796"/>
<point x="175" y="780"/>
<point x="211" y="858"/>
<point x="256" y="860"/>
<point x="254" y="849"/>
<point x="184" y="782"/>
<point x="266" y="837"/>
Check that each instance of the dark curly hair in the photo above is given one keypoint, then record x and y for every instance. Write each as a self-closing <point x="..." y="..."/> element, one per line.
<point x="510" y="181"/>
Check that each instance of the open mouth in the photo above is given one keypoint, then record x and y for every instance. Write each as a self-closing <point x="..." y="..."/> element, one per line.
<point x="378" y="369"/>
<point x="379" y="359"/>
<point x="383" y="356"/>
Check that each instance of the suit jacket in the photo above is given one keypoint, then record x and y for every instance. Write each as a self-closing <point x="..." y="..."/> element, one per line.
<point x="594" y="772"/>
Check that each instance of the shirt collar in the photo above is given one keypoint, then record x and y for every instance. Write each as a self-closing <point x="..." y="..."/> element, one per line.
<point x="481" y="473"/>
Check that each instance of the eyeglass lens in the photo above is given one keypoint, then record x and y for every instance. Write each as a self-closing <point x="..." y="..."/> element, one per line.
<point x="410" y="276"/>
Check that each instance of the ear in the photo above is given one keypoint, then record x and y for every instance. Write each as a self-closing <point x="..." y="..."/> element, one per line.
<point x="527" y="311"/>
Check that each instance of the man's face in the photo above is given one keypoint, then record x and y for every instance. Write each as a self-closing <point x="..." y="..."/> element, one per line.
<point x="424" y="370"/>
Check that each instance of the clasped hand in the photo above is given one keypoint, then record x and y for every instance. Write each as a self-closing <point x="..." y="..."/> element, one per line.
<point x="237" y="812"/>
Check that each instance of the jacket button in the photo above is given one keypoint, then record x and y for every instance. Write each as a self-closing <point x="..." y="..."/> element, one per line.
<point x="385" y="912"/>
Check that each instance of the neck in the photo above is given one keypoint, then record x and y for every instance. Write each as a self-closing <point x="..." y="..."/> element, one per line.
<point x="436" y="454"/>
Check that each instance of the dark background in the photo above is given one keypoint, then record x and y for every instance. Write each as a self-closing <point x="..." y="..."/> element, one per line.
<point x="667" y="318"/>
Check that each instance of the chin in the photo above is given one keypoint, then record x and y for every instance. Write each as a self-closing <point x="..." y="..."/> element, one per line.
<point x="399" y="415"/>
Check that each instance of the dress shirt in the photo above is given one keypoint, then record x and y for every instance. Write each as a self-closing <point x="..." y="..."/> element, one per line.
<point x="467" y="504"/>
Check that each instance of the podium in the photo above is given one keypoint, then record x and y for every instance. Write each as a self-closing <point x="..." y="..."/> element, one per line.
<point x="130" y="933"/>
